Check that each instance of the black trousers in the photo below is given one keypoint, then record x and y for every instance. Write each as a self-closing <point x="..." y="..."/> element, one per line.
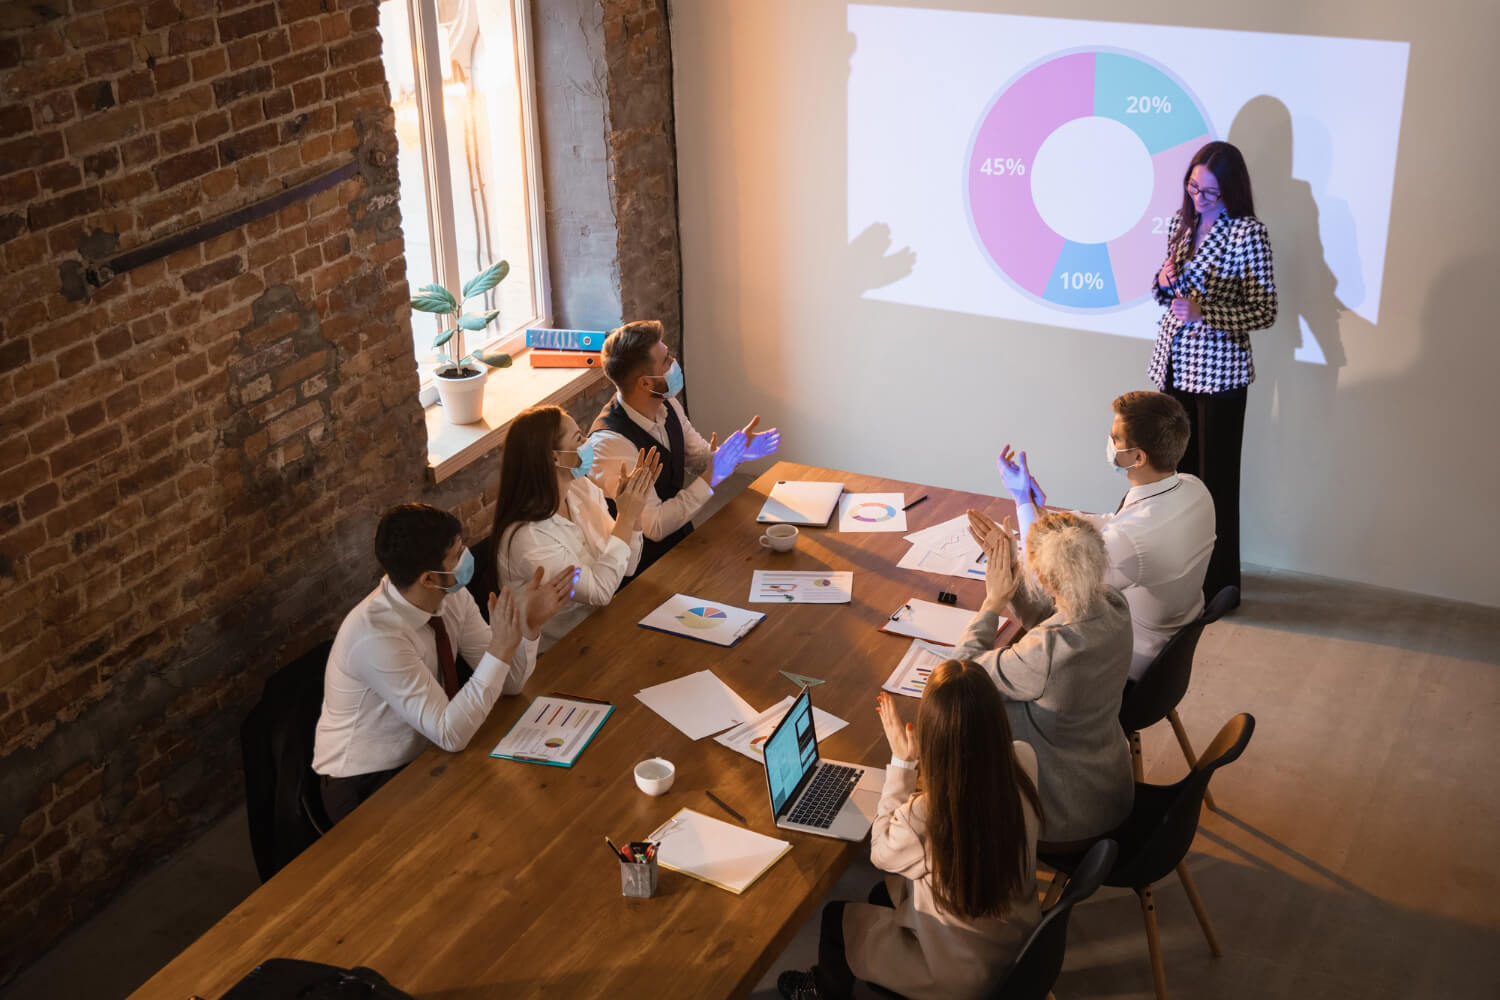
<point x="835" y="979"/>
<point x="342" y="795"/>
<point x="1213" y="455"/>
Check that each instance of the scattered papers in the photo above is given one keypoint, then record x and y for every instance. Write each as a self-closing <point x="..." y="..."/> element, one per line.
<point x="815" y="587"/>
<point x="910" y="676"/>
<point x="801" y="680"/>
<point x="707" y="621"/>
<point x="713" y="851"/>
<point x="946" y="549"/>
<point x="699" y="704"/>
<point x="553" y="731"/>
<point x="937" y="623"/>
<point x="872" y="512"/>
<point x="749" y="738"/>
<point x="795" y="502"/>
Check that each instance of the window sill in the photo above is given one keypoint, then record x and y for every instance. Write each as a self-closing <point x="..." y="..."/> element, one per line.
<point x="452" y="447"/>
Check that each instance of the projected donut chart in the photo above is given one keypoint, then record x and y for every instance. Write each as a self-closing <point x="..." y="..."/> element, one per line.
<point x="1074" y="172"/>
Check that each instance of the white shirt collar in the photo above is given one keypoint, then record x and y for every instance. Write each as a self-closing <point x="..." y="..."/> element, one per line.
<point x="1149" y="490"/>
<point x="410" y="615"/>
<point x="642" y="421"/>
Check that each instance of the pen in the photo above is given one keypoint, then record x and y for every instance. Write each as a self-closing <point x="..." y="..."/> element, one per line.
<point x="726" y="807"/>
<point x="619" y="854"/>
<point x="915" y="502"/>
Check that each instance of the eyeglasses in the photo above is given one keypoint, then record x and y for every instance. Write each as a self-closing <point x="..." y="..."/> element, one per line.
<point x="1208" y="196"/>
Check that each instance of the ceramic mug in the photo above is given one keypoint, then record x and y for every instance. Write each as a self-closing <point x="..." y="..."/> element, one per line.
<point x="780" y="538"/>
<point x="655" y="776"/>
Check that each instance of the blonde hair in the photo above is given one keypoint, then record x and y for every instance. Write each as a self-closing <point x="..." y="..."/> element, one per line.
<point x="1066" y="553"/>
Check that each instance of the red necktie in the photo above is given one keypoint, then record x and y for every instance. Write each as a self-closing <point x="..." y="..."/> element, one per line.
<point x="449" y="668"/>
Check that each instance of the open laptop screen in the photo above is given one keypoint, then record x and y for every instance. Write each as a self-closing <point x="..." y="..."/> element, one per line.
<point x="792" y="752"/>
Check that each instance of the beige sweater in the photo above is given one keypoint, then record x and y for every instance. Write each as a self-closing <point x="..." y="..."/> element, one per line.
<point x="917" y="949"/>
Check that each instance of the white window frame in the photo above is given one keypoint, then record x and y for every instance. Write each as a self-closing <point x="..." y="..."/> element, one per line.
<point x="437" y="178"/>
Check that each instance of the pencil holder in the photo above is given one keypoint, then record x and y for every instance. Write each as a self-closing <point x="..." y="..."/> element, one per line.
<point x="638" y="880"/>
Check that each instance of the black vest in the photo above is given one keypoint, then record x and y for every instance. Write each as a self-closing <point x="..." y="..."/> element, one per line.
<point x="613" y="418"/>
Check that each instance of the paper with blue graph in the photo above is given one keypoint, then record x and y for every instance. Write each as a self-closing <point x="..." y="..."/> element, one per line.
<point x="946" y="549"/>
<point x="910" y="676"/>
<point x="801" y="587"/>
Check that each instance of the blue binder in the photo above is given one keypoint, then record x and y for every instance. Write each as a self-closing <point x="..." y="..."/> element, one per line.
<point x="566" y="340"/>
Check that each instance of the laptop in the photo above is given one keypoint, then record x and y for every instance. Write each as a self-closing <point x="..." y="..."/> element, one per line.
<point x="795" y="502"/>
<point x="826" y="797"/>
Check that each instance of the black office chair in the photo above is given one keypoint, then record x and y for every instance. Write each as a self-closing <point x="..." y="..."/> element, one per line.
<point x="486" y="579"/>
<point x="1155" y="696"/>
<point x="282" y="799"/>
<point x="280" y="978"/>
<point x="1035" y="970"/>
<point x="1155" y="837"/>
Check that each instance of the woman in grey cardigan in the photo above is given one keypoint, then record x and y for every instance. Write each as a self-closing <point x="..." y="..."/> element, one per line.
<point x="1062" y="682"/>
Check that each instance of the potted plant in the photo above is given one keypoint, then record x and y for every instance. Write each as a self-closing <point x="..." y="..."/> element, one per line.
<point x="460" y="384"/>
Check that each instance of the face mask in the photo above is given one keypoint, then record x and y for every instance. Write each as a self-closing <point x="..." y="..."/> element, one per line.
<point x="674" y="381"/>
<point x="585" y="459"/>
<point x="1110" y="451"/>
<point x="462" y="573"/>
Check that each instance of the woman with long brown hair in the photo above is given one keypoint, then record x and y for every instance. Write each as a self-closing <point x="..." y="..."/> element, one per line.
<point x="960" y="846"/>
<point x="550" y="514"/>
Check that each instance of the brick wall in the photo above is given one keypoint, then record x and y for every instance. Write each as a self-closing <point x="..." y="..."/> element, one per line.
<point x="193" y="454"/>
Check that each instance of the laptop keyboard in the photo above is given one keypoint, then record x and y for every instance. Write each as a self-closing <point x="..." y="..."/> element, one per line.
<point x="830" y="789"/>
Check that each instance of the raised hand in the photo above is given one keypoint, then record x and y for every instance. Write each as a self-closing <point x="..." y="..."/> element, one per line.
<point x="505" y="625"/>
<point x="1015" y="473"/>
<point x="762" y="444"/>
<point x="1001" y="574"/>
<point x="631" y="501"/>
<point x="898" y="734"/>
<point x="730" y="454"/>
<point x="541" y="599"/>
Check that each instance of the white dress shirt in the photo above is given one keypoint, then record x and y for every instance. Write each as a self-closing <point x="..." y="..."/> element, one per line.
<point x="614" y="459"/>
<point x="383" y="696"/>
<point x="1157" y="546"/>
<point x="581" y="539"/>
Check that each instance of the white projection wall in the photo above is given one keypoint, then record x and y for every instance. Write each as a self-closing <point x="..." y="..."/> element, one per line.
<point x="1030" y="164"/>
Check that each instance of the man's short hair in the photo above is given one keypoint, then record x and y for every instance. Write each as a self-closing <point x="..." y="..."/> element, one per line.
<point x="412" y="539"/>
<point x="627" y="350"/>
<point x="1157" y="424"/>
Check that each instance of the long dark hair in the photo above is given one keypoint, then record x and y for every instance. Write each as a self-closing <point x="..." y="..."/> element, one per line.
<point x="976" y="825"/>
<point x="528" y="477"/>
<point x="1227" y="164"/>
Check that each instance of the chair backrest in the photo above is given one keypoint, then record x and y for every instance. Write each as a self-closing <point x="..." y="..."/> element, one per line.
<point x="1165" y="818"/>
<point x="486" y="580"/>
<point x="1033" y="973"/>
<point x="1161" y="687"/>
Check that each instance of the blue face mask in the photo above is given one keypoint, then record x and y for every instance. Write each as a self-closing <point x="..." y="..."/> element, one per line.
<point x="585" y="459"/>
<point x="462" y="573"/>
<point x="674" y="381"/>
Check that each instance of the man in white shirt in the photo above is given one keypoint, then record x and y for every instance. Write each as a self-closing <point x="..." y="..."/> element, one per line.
<point x="1159" y="540"/>
<point x="645" y="414"/>
<point x="391" y="685"/>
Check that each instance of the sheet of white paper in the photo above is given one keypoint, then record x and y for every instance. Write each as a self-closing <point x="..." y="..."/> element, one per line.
<point x="872" y="512"/>
<point x="910" y="676"/>
<point x="699" y="704"/>
<point x="719" y="853"/>
<point x="937" y="623"/>
<point x="814" y="587"/>
<point x="750" y="737"/>
<point x="695" y="618"/>
<point x="928" y="561"/>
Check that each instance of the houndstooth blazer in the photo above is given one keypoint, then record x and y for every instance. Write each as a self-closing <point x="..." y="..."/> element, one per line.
<point x="1231" y="277"/>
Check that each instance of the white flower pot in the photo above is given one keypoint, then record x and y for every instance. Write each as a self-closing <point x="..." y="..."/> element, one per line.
<point x="462" y="398"/>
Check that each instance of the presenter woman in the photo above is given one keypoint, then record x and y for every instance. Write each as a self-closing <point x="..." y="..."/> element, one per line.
<point x="1217" y="286"/>
<point x="550" y="514"/>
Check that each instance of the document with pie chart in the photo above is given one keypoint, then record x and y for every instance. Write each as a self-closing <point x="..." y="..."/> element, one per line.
<point x="707" y="621"/>
<point x="872" y="512"/>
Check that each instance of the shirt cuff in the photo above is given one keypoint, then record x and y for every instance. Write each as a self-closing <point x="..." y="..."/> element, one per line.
<point x="910" y="765"/>
<point x="490" y="670"/>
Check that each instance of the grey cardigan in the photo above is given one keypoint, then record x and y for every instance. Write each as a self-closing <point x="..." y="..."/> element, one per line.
<point x="1062" y="684"/>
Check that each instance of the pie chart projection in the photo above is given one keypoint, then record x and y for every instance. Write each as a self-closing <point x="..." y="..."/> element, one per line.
<point x="702" y="618"/>
<point x="872" y="513"/>
<point x="1074" y="172"/>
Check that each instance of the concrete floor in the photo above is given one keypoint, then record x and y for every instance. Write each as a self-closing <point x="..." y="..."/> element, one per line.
<point x="1355" y="855"/>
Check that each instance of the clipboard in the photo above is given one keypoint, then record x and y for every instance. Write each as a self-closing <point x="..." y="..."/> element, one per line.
<point x="554" y="730"/>
<point x="934" y="623"/>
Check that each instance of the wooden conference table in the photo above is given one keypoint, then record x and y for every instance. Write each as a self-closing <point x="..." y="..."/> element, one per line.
<point x="467" y="876"/>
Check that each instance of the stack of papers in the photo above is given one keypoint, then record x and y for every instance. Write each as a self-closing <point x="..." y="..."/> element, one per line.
<point x="947" y="549"/>
<point x="750" y="737"/>
<point x="910" y="676"/>
<point x="699" y="704"/>
<point x="716" y="852"/>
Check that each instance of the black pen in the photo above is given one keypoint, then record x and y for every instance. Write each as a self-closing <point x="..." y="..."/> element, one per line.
<point x="726" y="807"/>
<point x="915" y="502"/>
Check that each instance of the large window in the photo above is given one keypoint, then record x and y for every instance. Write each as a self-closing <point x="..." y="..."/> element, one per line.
<point x="460" y="78"/>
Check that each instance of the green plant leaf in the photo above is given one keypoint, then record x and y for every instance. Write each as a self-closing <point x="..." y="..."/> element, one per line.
<point x="478" y="322"/>
<point x="434" y="299"/>
<point x="486" y="279"/>
<point x="495" y="360"/>
<point x="444" y="337"/>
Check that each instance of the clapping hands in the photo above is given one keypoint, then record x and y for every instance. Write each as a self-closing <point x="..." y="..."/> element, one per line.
<point x="631" y="500"/>
<point x="541" y="599"/>
<point x="1016" y="475"/>
<point x="1002" y="576"/>
<point x="899" y="734"/>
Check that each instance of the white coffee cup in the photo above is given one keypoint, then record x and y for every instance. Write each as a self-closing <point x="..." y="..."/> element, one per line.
<point x="780" y="538"/>
<point x="655" y="776"/>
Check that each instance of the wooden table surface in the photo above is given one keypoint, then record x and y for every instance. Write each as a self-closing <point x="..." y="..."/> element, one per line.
<point x="469" y="877"/>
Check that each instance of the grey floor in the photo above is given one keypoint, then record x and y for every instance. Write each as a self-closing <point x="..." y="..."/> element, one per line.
<point x="1354" y="856"/>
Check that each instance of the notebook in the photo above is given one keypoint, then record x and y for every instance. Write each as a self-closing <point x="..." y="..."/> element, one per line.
<point x="713" y="851"/>
<point x="798" y="502"/>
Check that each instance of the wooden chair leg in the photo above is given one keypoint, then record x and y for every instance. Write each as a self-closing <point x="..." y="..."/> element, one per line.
<point x="1137" y="762"/>
<point x="1197" y="901"/>
<point x="1187" y="751"/>
<point x="1153" y="942"/>
<point x="1055" y="890"/>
